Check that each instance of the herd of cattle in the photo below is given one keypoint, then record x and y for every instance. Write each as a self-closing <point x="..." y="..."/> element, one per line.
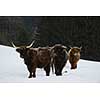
<point x="54" y="57"/>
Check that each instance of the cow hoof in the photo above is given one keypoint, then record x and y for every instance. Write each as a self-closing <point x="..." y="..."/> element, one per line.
<point x="30" y="77"/>
<point x="34" y="76"/>
<point x="47" y="74"/>
<point x="59" y="74"/>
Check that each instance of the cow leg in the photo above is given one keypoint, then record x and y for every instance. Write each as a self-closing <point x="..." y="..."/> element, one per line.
<point x="30" y="72"/>
<point x="75" y="66"/>
<point x="30" y="76"/>
<point x="47" y="70"/>
<point x="58" y="71"/>
<point x="34" y="71"/>
<point x="34" y="74"/>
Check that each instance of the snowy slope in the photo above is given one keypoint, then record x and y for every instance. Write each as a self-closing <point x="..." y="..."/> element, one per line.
<point x="13" y="69"/>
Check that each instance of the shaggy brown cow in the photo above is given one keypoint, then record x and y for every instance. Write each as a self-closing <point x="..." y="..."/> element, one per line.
<point x="58" y="58"/>
<point x="74" y="56"/>
<point x="35" y="58"/>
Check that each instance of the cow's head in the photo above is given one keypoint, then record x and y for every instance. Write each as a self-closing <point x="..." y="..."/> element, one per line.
<point x="22" y="49"/>
<point x="58" y="49"/>
<point x="58" y="58"/>
<point x="75" y="50"/>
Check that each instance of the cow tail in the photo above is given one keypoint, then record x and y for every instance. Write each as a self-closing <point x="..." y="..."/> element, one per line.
<point x="52" y="66"/>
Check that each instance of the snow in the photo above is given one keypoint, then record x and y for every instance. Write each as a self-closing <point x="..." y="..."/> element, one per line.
<point x="13" y="70"/>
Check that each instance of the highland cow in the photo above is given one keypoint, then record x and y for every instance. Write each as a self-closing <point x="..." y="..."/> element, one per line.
<point x="58" y="58"/>
<point x="74" y="56"/>
<point x="35" y="58"/>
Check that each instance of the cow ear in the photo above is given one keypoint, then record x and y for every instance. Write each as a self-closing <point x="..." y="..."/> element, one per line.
<point x="18" y="50"/>
<point x="80" y="48"/>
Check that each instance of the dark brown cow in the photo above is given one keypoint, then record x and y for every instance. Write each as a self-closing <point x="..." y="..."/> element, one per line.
<point x="74" y="56"/>
<point x="35" y="58"/>
<point x="58" y="58"/>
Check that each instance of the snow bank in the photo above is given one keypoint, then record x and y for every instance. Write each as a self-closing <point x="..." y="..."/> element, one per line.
<point x="13" y="69"/>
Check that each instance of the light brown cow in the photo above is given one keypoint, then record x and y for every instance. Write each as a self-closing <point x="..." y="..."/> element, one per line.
<point x="74" y="56"/>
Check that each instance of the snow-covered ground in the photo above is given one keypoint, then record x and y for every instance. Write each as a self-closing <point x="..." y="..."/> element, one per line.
<point x="13" y="70"/>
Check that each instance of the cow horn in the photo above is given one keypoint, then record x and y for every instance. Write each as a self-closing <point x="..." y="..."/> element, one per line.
<point x="14" y="45"/>
<point x="64" y="47"/>
<point x="30" y="45"/>
<point x="70" y="47"/>
<point x="81" y="47"/>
